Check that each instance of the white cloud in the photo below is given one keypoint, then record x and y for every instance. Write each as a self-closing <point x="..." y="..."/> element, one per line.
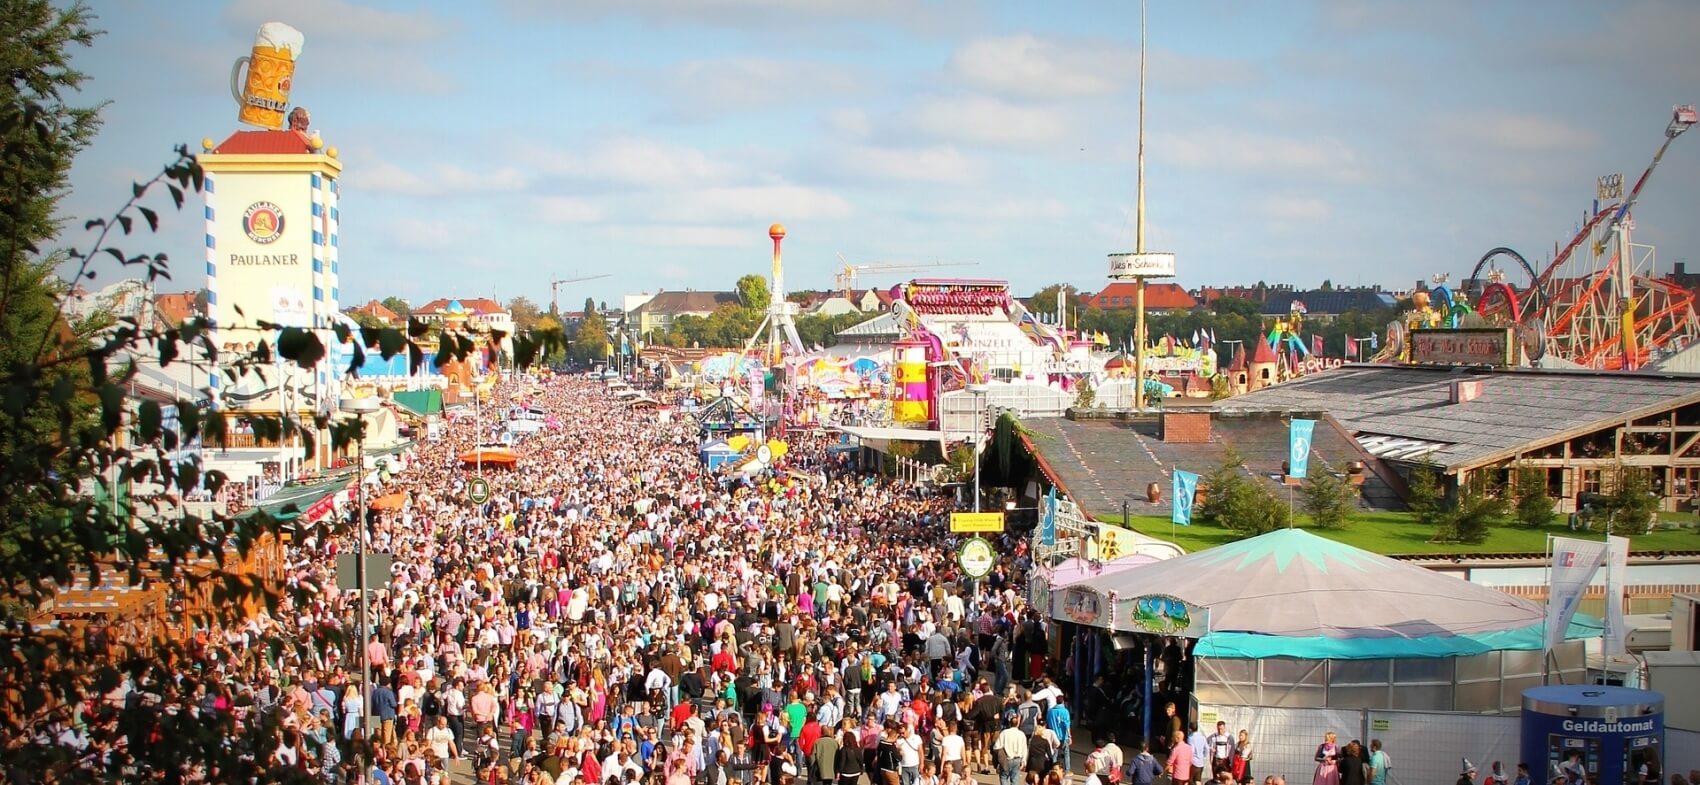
<point x="632" y="161"/>
<point x="990" y="121"/>
<point x="852" y="122"/>
<point x="435" y="180"/>
<point x="1293" y="208"/>
<point x="414" y="234"/>
<point x="568" y="210"/>
<point x="733" y="84"/>
<point x="337" y="19"/>
<point x="1033" y="67"/>
<point x="1029" y="66"/>
<point x="685" y="236"/>
<point x="1000" y="210"/>
<point x="922" y="164"/>
<point x="758" y="202"/>
<point x="1516" y="132"/>
<point x="1322" y="158"/>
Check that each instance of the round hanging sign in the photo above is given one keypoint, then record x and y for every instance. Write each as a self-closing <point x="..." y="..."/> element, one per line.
<point x="977" y="557"/>
<point x="478" y="491"/>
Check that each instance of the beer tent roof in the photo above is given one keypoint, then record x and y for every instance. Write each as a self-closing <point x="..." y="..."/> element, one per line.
<point x="1290" y="593"/>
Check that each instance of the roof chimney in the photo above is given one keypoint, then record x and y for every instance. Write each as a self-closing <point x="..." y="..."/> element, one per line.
<point x="1466" y="390"/>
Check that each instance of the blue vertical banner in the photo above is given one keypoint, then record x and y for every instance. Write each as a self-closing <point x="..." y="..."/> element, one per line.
<point x="1048" y="526"/>
<point x="1185" y="490"/>
<point x="1298" y="447"/>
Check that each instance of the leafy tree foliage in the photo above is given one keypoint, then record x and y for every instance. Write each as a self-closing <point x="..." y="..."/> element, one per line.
<point x="1479" y="506"/>
<point x="1534" y="508"/>
<point x="1427" y="498"/>
<point x="753" y="293"/>
<point x="1631" y="503"/>
<point x="398" y="306"/>
<point x="1328" y="500"/>
<point x="1235" y="500"/>
<point x="524" y="312"/>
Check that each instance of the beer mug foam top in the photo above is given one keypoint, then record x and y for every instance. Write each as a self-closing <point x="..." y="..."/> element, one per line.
<point x="263" y="96"/>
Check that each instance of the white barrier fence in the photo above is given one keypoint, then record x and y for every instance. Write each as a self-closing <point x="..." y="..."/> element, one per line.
<point x="1425" y="747"/>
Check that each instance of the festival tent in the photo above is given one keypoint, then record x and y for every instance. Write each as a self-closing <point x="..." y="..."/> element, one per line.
<point x="1290" y="593"/>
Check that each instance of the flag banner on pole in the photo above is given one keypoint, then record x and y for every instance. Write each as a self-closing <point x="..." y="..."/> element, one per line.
<point x="1574" y="565"/>
<point x="1048" y="526"/>
<point x="1616" y="638"/>
<point x="1352" y="348"/>
<point x="1298" y="447"/>
<point x="1316" y="345"/>
<point x="1374" y="342"/>
<point x="1185" y="490"/>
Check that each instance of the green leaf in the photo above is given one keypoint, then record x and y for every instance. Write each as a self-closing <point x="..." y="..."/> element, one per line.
<point x="148" y="420"/>
<point x="415" y="357"/>
<point x="150" y="216"/>
<point x="390" y="342"/>
<point x="111" y="407"/>
<point x="124" y="221"/>
<point x="417" y="328"/>
<point x="300" y="346"/>
<point x="177" y="194"/>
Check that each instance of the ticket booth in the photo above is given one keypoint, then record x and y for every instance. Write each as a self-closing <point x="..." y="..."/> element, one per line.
<point x="1604" y="734"/>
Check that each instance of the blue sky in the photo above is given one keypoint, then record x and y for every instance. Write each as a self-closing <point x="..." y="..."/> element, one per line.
<point x="489" y="146"/>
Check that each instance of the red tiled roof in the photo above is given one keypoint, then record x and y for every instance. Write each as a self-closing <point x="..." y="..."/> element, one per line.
<point x="1158" y="297"/>
<point x="377" y="311"/>
<point x="176" y="308"/>
<point x="265" y="143"/>
<point x="1210" y="294"/>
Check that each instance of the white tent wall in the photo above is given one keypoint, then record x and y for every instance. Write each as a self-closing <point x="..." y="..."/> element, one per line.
<point x="1425" y="747"/>
<point x="1682" y="751"/>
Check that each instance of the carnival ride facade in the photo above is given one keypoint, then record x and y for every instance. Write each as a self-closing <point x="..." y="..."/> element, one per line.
<point x="1598" y="304"/>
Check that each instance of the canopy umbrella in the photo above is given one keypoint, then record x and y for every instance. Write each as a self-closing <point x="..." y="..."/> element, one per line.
<point x="390" y="502"/>
<point x="500" y="456"/>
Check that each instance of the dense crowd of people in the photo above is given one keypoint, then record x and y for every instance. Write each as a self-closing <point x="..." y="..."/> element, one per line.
<point x="617" y="613"/>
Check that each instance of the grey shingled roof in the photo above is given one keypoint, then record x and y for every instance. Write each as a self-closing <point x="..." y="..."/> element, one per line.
<point x="1517" y="410"/>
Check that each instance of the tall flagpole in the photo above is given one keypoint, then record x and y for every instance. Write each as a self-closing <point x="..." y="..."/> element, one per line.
<point x="1139" y="234"/>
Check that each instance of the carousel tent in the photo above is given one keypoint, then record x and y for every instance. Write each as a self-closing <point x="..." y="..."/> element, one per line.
<point x="1290" y="593"/>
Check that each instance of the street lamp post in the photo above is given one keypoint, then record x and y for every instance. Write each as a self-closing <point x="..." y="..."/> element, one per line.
<point x="360" y="407"/>
<point x="978" y="390"/>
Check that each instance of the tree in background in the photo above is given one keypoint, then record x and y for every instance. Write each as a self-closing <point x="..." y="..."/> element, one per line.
<point x="1045" y="300"/>
<point x="1328" y="500"/>
<point x="399" y="307"/>
<point x="1632" y="504"/>
<point x="1480" y="505"/>
<point x="753" y="293"/>
<point x="1235" y="500"/>
<point x="1533" y="507"/>
<point x="524" y="312"/>
<point x="591" y="342"/>
<point x="550" y="324"/>
<point x="1427" y="499"/>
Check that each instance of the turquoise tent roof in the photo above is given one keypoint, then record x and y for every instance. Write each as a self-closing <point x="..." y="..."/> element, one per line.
<point x="1290" y="593"/>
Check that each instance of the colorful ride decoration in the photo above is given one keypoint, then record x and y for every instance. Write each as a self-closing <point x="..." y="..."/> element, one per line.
<point x="912" y="382"/>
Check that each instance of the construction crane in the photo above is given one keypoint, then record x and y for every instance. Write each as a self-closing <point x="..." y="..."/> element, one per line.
<point x="555" y="290"/>
<point x="845" y="278"/>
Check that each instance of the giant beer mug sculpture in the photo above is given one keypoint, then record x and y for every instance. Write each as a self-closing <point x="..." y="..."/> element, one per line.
<point x="264" y="94"/>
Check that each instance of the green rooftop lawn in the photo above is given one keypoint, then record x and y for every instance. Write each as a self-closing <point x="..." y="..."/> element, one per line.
<point x="1399" y="533"/>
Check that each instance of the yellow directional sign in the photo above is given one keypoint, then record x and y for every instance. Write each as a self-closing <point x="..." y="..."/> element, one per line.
<point x="976" y="522"/>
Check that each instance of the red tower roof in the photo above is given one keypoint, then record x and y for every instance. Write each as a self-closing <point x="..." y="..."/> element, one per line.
<point x="265" y="143"/>
<point x="1265" y="353"/>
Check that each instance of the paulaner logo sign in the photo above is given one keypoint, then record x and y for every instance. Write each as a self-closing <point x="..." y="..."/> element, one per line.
<point x="1595" y="726"/>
